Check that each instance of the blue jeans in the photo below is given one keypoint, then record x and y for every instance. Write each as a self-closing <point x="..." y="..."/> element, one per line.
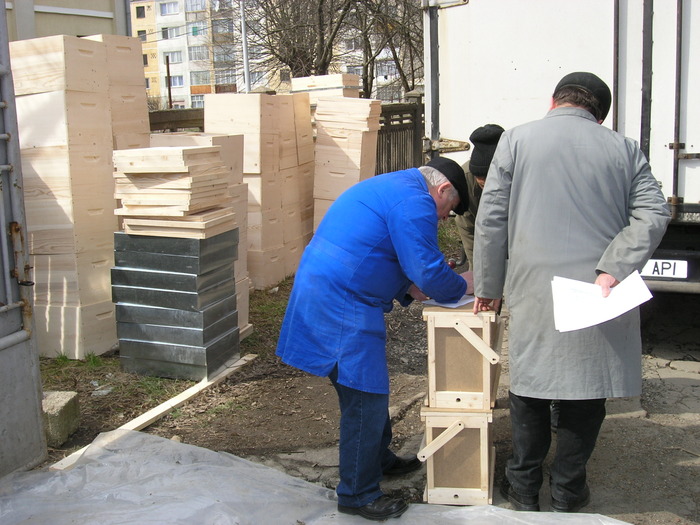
<point x="577" y="432"/>
<point x="365" y="435"/>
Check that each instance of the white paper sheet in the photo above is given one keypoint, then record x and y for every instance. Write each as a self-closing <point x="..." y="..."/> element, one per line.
<point x="466" y="299"/>
<point x="579" y="305"/>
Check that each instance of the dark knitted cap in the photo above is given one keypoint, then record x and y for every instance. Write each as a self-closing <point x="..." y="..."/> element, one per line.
<point x="592" y="84"/>
<point x="485" y="140"/>
<point x="455" y="174"/>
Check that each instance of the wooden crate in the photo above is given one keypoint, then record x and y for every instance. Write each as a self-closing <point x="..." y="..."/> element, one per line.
<point x="265" y="229"/>
<point x="320" y="208"/>
<point x="76" y="118"/>
<point x="463" y="357"/>
<point x="287" y="132"/>
<point x="303" y="128"/>
<point x="233" y="113"/>
<point x="231" y="147"/>
<point x="72" y="279"/>
<point x="129" y="107"/>
<point x="266" y="267"/>
<point x="264" y="193"/>
<point x="60" y="62"/>
<point x="125" y="59"/>
<point x="460" y="457"/>
<point x="75" y="331"/>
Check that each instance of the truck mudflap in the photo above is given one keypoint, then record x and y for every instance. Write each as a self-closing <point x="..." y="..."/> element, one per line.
<point x="675" y="265"/>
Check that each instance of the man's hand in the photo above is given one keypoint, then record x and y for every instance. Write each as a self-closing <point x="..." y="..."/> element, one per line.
<point x="606" y="282"/>
<point x="482" y="304"/>
<point x="469" y="277"/>
<point x="416" y="293"/>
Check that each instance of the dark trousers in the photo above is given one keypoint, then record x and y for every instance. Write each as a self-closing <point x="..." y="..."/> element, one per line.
<point x="577" y="432"/>
<point x="365" y="435"/>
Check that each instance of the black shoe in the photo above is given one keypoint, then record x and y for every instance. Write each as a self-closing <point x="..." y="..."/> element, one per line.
<point x="403" y="465"/>
<point x="380" y="509"/>
<point x="519" y="502"/>
<point x="574" y="505"/>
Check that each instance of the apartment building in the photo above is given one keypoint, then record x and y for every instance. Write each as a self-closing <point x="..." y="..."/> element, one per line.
<point x="33" y="19"/>
<point x="191" y="48"/>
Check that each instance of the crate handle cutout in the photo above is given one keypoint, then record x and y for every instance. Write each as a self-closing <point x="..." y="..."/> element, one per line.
<point x="477" y="342"/>
<point x="440" y="441"/>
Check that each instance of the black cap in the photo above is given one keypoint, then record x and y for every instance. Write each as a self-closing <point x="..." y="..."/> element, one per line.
<point x="593" y="85"/>
<point x="485" y="140"/>
<point x="455" y="174"/>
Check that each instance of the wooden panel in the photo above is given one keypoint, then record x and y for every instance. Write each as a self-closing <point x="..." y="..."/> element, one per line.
<point x="72" y="279"/>
<point x="125" y="59"/>
<point x="75" y="331"/>
<point x="460" y="472"/>
<point x="165" y="159"/>
<point x="460" y="374"/>
<point x="265" y="229"/>
<point x="303" y="128"/>
<point x="320" y="208"/>
<point x="129" y="107"/>
<point x="56" y="63"/>
<point x="235" y="113"/>
<point x="231" y="147"/>
<point x="287" y="132"/>
<point x="263" y="194"/>
<point x="266" y="267"/>
<point x="64" y="118"/>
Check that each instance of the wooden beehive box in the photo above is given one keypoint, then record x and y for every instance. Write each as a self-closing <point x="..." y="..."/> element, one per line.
<point x="463" y="357"/>
<point x="460" y="457"/>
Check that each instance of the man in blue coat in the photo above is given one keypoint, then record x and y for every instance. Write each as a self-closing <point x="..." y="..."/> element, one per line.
<point x="377" y="243"/>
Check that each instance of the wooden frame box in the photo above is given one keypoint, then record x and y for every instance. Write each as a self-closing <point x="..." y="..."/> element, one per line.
<point x="60" y="62"/>
<point x="463" y="357"/>
<point x="75" y="331"/>
<point x="125" y="59"/>
<point x="232" y="113"/>
<point x="460" y="458"/>
<point x="266" y="267"/>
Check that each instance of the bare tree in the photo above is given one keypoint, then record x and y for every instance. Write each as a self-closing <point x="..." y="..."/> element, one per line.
<point x="300" y="34"/>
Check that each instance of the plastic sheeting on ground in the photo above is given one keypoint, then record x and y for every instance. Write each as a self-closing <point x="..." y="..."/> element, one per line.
<point x="127" y="477"/>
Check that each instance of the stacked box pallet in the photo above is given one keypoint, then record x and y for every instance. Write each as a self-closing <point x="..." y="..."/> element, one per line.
<point x="278" y="170"/>
<point x="126" y="91"/>
<point x="346" y="147"/>
<point x="463" y="374"/>
<point x="324" y="86"/>
<point x="176" y="304"/>
<point x="64" y="118"/>
<point x="231" y="149"/>
<point x="173" y="279"/>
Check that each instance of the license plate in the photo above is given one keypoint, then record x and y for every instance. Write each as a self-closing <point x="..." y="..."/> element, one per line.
<point x="666" y="268"/>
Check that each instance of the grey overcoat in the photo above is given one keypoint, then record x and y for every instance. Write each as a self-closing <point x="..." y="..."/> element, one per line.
<point x="566" y="196"/>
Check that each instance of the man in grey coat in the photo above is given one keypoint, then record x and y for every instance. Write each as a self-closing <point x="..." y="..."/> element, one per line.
<point x="564" y="197"/>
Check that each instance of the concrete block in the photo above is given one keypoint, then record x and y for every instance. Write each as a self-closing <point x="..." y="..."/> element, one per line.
<point x="61" y="416"/>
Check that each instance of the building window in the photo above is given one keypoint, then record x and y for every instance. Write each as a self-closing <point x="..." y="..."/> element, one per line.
<point x="148" y="83"/>
<point x="195" y="5"/>
<point x="141" y="33"/>
<point x="225" y="76"/>
<point x="223" y="54"/>
<point x="175" y="81"/>
<point x="197" y="101"/>
<point x="222" y="25"/>
<point x="170" y="32"/>
<point x="175" y="57"/>
<point x="285" y="75"/>
<point x="199" y="78"/>
<point x="198" y="28"/>
<point x="198" y="52"/>
<point x="386" y="68"/>
<point x="168" y="8"/>
<point x="179" y="104"/>
<point x="256" y="77"/>
<point x="389" y="93"/>
<point x="145" y="59"/>
<point x="355" y="70"/>
<point x="353" y="44"/>
<point x="140" y="11"/>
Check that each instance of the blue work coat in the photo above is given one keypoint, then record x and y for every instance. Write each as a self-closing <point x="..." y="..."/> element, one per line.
<point x="376" y="239"/>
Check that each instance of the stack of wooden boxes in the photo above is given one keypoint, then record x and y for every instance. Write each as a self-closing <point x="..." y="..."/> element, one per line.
<point x="65" y="132"/>
<point x="231" y="150"/>
<point x="173" y="279"/>
<point x="323" y="86"/>
<point x="278" y="168"/>
<point x="463" y="374"/>
<point x="126" y="90"/>
<point x="346" y="147"/>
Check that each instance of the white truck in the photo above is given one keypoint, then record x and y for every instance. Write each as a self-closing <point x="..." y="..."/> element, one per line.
<point x="497" y="61"/>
